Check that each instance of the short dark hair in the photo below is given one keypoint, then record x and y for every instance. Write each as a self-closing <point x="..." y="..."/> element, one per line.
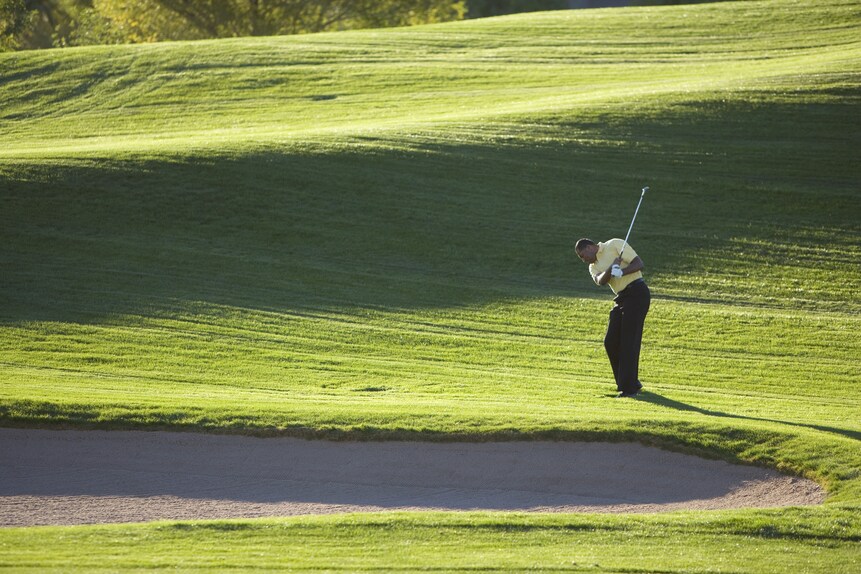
<point x="582" y="243"/>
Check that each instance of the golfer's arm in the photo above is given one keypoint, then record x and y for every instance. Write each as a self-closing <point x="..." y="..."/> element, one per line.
<point x="635" y="265"/>
<point x="602" y="278"/>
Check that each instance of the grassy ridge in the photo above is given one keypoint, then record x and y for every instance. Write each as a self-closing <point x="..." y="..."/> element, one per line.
<point x="369" y="235"/>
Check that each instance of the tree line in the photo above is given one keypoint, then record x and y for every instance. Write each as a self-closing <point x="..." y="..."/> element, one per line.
<point x="29" y="24"/>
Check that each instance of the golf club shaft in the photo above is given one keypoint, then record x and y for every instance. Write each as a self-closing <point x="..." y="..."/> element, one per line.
<point x="636" y="211"/>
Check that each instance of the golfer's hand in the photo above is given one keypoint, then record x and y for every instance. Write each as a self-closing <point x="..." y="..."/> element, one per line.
<point x="616" y="271"/>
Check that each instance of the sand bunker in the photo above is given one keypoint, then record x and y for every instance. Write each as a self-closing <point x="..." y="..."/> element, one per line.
<point x="84" y="477"/>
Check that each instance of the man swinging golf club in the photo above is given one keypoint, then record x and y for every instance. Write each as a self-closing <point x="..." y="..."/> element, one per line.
<point x="615" y="263"/>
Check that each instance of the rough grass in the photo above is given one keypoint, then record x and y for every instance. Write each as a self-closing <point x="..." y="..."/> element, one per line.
<point x="369" y="235"/>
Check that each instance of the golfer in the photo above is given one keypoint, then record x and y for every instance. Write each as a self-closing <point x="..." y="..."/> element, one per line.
<point x="617" y="265"/>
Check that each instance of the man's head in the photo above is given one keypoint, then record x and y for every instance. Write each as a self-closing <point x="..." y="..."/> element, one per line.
<point x="587" y="250"/>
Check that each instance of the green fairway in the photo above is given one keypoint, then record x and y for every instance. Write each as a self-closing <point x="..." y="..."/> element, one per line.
<point x="369" y="235"/>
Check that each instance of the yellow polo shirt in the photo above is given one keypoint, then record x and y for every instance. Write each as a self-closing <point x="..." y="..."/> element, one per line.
<point x="607" y="253"/>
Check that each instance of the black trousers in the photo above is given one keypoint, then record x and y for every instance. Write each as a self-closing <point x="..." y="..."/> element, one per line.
<point x="625" y="334"/>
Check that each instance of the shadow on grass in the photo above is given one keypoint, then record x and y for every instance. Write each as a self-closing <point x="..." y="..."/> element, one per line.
<point x="288" y="230"/>
<point x="657" y="399"/>
<point x="411" y="223"/>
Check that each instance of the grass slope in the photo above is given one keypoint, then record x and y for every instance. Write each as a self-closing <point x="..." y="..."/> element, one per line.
<point x="369" y="235"/>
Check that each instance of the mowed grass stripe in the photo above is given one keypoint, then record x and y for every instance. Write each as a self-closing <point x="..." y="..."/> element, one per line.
<point x="380" y="353"/>
<point x="755" y="541"/>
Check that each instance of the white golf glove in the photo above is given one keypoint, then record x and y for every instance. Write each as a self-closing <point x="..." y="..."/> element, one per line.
<point x="616" y="271"/>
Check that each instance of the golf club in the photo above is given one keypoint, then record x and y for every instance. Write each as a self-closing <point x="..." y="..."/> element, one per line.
<point x="645" y="189"/>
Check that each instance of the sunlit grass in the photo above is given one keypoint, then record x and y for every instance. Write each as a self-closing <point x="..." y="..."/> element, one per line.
<point x="794" y="540"/>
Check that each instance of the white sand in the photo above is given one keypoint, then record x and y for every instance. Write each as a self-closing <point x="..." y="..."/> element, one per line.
<point x="85" y="477"/>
